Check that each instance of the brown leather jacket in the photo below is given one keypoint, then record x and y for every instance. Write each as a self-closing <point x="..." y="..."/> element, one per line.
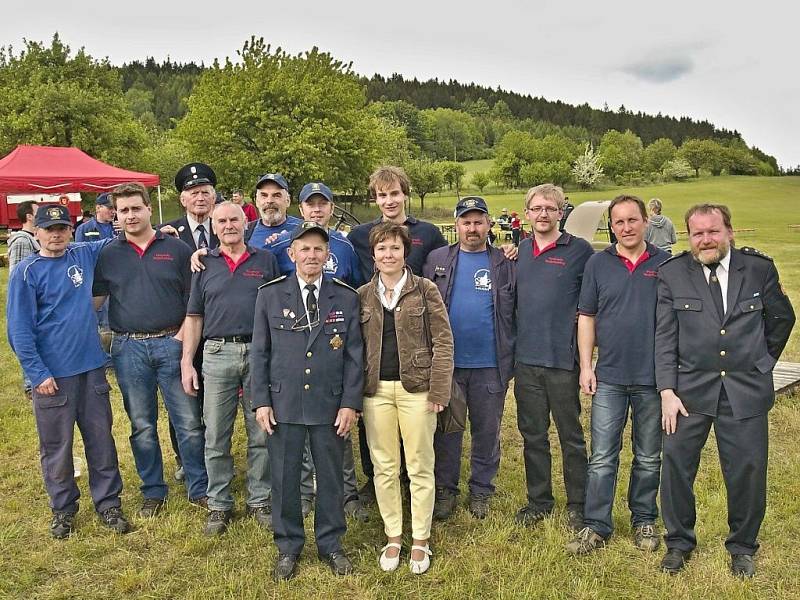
<point x="421" y="368"/>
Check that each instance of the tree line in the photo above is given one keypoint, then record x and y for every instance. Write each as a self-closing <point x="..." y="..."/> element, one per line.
<point x="311" y="116"/>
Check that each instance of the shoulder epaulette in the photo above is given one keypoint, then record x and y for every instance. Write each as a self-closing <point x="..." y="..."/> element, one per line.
<point x="674" y="256"/>
<point x="753" y="252"/>
<point x="276" y="280"/>
<point x="343" y="284"/>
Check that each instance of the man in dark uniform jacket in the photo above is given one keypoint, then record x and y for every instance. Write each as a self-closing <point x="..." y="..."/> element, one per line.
<point x="195" y="183"/>
<point x="307" y="378"/>
<point x="722" y="322"/>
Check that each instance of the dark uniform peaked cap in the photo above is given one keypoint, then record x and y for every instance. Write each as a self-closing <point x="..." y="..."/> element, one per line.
<point x="194" y="174"/>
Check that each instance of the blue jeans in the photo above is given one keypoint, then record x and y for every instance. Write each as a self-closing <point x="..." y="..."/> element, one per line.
<point x="609" y="415"/>
<point x="143" y="367"/>
<point x="226" y="368"/>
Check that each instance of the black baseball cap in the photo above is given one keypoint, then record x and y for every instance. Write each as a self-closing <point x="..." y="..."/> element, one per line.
<point x="468" y="203"/>
<point x="275" y="178"/>
<point x="309" y="227"/>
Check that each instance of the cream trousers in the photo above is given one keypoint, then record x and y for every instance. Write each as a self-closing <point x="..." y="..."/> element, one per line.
<point x="391" y="414"/>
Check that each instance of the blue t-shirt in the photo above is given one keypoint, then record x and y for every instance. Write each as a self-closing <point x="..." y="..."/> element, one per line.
<point x="50" y="314"/>
<point x="92" y="231"/>
<point x="342" y="262"/>
<point x="471" y="312"/>
<point x="262" y="232"/>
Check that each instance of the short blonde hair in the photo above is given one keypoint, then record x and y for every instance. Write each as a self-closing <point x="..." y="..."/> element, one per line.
<point x="548" y="191"/>
<point x="385" y="176"/>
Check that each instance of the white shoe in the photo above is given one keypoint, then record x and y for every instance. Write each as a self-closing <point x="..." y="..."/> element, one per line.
<point x="418" y="567"/>
<point x="389" y="564"/>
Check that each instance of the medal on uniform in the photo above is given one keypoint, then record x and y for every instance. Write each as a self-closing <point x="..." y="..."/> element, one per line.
<point x="286" y="312"/>
<point x="336" y="342"/>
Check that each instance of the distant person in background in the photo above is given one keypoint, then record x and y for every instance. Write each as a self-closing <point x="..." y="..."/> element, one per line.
<point x="565" y="212"/>
<point x="504" y="219"/>
<point x="23" y="243"/>
<point x="660" y="231"/>
<point x="516" y="229"/>
<point x="250" y="212"/>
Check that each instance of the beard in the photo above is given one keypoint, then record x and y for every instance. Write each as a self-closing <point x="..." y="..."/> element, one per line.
<point x="707" y="256"/>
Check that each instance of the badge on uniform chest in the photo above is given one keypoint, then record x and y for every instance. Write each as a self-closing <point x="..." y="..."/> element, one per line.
<point x="335" y="316"/>
<point x="288" y="313"/>
<point x="336" y="342"/>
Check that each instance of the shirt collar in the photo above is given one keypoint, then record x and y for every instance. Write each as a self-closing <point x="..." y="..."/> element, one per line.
<point x="302" y="282"/>
<point x="724" y="262"/>
<point x="193" y="224"/>
<point x="395" y="294"/>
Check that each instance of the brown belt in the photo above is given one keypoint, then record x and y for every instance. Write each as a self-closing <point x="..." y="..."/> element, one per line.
<point x="135" y="335"/>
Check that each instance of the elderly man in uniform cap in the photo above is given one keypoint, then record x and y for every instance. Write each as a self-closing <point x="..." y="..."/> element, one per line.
<point x="477" y="283"/>
<point x="195" y="183"/>
<point x="220" y="312"/>
<point x="307" y="379"/>
<point x="272" y="200"/>
<point x="722" y="322"/>
<point x="50" y="328"/>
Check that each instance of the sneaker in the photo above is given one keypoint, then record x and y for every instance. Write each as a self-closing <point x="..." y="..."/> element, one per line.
<point x="114" y="519"/>
<point x="530" y="516"/>
<point x="645" y="537"/>
<point x="353" y="508"/>
<point x="62" y="525"/>
<point x="575" y="519"/>
<point x="261" y="514"/>
<point x="180" y="474"/>
<point x="151" y="507"/>
<point x="444" y="505"/>
<point x="306" y="506"/>
<point x="217" y="522"/>
<point x="367" y="493"/>
<point x="479" y="505"/>
<point x="585" y="542"/>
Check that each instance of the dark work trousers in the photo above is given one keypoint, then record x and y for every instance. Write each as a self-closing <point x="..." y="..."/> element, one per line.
<point x="198" y="366"/>
<point x="540" y="392"/>
<point x="81" y="399"/>
<point x="743" y="450"/>
<point x="286" y="457"/>
<point x="486" y="398"/>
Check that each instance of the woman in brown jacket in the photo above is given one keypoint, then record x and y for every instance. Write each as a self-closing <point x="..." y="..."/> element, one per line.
<point x="408" y="366"/>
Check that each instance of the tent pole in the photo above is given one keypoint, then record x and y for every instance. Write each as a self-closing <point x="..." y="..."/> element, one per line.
<point x="160" y="216"/>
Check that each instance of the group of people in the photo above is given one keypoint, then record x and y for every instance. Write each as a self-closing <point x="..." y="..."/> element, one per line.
<point x="271" y="322"/>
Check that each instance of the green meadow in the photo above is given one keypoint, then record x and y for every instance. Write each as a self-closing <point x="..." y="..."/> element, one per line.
<point x="168" y="557"/>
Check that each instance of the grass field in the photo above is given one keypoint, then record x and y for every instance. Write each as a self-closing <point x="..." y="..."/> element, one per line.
<point x="169" y="557"/>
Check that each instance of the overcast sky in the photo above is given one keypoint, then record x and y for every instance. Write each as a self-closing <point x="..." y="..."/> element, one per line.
<point x="707" y="60"/>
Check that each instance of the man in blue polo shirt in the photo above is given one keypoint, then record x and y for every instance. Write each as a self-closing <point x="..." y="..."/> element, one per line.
<point x="476" y="282"/>
<point x="50" y="328"/>
<point x="272" y="201"/>
<point x="617" y="313"/>
<point x="221" y="311"/>
<point x="549" y="274"/>
<point x="146" y="275"/>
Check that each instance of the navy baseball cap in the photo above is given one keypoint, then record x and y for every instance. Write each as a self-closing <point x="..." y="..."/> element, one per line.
<point x="308" y="227"/>
<point x="103" y="199"/>
<point x="310" y="189"/>
<point x="194" y="174"/>
<point x="468" y="203"/>
<point x="52" y="214"/>
<point x="275" y="178"/>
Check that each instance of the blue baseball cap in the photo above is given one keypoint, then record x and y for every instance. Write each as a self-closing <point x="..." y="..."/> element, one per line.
<point x="468" y="203"/>
<point x="308" y="227"/>
<point x="48" y="215"/>
<point x="275" y="178"/>
<point x="310" y="189"/>
<point x="103" y="199"/>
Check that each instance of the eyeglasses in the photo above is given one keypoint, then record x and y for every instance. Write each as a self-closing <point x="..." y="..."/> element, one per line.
<point x="540" y="209"/>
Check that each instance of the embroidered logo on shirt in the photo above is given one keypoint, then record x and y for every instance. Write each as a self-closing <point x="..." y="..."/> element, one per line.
<point x="483" y="281"/>
<point x="650" y="273"/>
<point x="253" y="273"/>
<point x="555" y="260"/>
<point x="417" y="242"/>
<point x="331" y="264"/>
<point x="75" y="274"/>
<point x="162" y="256"/>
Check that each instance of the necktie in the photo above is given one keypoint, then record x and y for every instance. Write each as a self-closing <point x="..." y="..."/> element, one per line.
<point x="716" y="289"/>
<point x="311" y="304"/>
<point x="202" y="240"/>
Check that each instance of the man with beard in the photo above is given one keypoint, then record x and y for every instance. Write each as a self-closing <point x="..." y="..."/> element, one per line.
<point x="722" y="322"/>
<point x="272" y="200"/>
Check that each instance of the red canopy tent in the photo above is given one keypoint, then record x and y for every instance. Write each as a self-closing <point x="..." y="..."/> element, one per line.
<point x="45" y="170"/>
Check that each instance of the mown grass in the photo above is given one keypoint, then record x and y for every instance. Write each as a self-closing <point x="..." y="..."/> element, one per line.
<point x="169" y="558"/>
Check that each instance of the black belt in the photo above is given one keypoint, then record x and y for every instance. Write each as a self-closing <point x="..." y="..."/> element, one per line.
<point x="136" y="335"/>
<point x="233" y="339"/>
